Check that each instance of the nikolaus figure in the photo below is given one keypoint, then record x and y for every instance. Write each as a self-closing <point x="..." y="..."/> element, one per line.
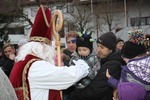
<point x="34" y="75"/>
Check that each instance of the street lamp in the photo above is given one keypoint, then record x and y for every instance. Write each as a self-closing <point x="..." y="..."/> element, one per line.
<point x="125" y="11"/>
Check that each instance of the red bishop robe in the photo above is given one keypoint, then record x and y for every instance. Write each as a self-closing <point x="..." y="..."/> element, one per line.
<point x="19" y="79"/>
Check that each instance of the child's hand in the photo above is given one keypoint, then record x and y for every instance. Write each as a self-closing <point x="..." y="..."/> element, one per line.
<point x="107" y="74"/>
<point x="115" y="95"/>
<point x="12" y="56"/>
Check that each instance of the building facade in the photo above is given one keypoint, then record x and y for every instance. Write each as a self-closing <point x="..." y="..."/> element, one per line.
<point x="118" y="16"/>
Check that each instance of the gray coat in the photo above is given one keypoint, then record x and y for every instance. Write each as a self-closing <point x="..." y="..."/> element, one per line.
<point x="6" y="90"/>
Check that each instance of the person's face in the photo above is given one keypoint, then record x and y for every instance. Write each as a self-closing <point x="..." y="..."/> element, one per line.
<point x="83" y="51"/>
<point x="71" y="44"/>
<point x="103" y="51"/>
<point x="120" y="45"/>
<point x="8" y="50"/>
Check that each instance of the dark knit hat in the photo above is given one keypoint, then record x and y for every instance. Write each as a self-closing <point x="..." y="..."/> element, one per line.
<point x="135" y="45"/>
<point x="119" y="40"/>
<point x="108" y="40"/>
<point x="84" y="39"/>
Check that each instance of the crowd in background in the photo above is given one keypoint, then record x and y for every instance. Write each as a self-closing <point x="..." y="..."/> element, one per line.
<point x="114" y="70"/>
<point x="113" y="53"/>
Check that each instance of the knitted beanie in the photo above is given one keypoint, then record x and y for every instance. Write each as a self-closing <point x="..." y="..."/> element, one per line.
<point x="131" y="50"/>
<point x="135" y="45"/>
<point x="84" y="39"/>
<point x="108" y="40"/>
<point x="120" y="40"/>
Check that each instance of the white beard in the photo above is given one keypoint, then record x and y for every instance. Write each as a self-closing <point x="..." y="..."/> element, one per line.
<point x="38" y="49"/>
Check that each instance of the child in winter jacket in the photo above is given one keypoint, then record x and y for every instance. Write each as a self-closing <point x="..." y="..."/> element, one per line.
<point x="138" y="62"/>
<point x="84" y="50"/>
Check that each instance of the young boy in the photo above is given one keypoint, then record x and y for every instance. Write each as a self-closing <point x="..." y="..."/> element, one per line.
<point x="84" y="51"/>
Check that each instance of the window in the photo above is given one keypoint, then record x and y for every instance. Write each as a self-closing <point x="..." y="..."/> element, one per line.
<point x="148" y="21"/>
<point x="16" y="30"/>
<point x="143" y="21"/>
<point x="5" y="19"/>
<point x="140" y="21"/>
<point x="147" y="41"/>
<point x="132" y="21"/>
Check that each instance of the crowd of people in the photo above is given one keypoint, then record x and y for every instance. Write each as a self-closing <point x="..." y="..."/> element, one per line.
<point x="114" y="70"/>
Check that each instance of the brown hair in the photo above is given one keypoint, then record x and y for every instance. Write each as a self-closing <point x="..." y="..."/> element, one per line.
<point x="8" y="45"/>
<point x="71" y="34"/>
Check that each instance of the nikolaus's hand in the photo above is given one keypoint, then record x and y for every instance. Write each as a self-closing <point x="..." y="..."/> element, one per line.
<point x="12" y="56"/>
<point x="78" y="62"/>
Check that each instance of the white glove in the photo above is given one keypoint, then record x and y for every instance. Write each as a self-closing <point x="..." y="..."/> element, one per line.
<point x="83" y="66"/>
<point x="80" y="62"/>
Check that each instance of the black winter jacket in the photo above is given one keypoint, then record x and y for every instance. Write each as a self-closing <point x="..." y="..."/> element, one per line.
<point x="6" y="64"/>
<point x="99" y="89"/>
